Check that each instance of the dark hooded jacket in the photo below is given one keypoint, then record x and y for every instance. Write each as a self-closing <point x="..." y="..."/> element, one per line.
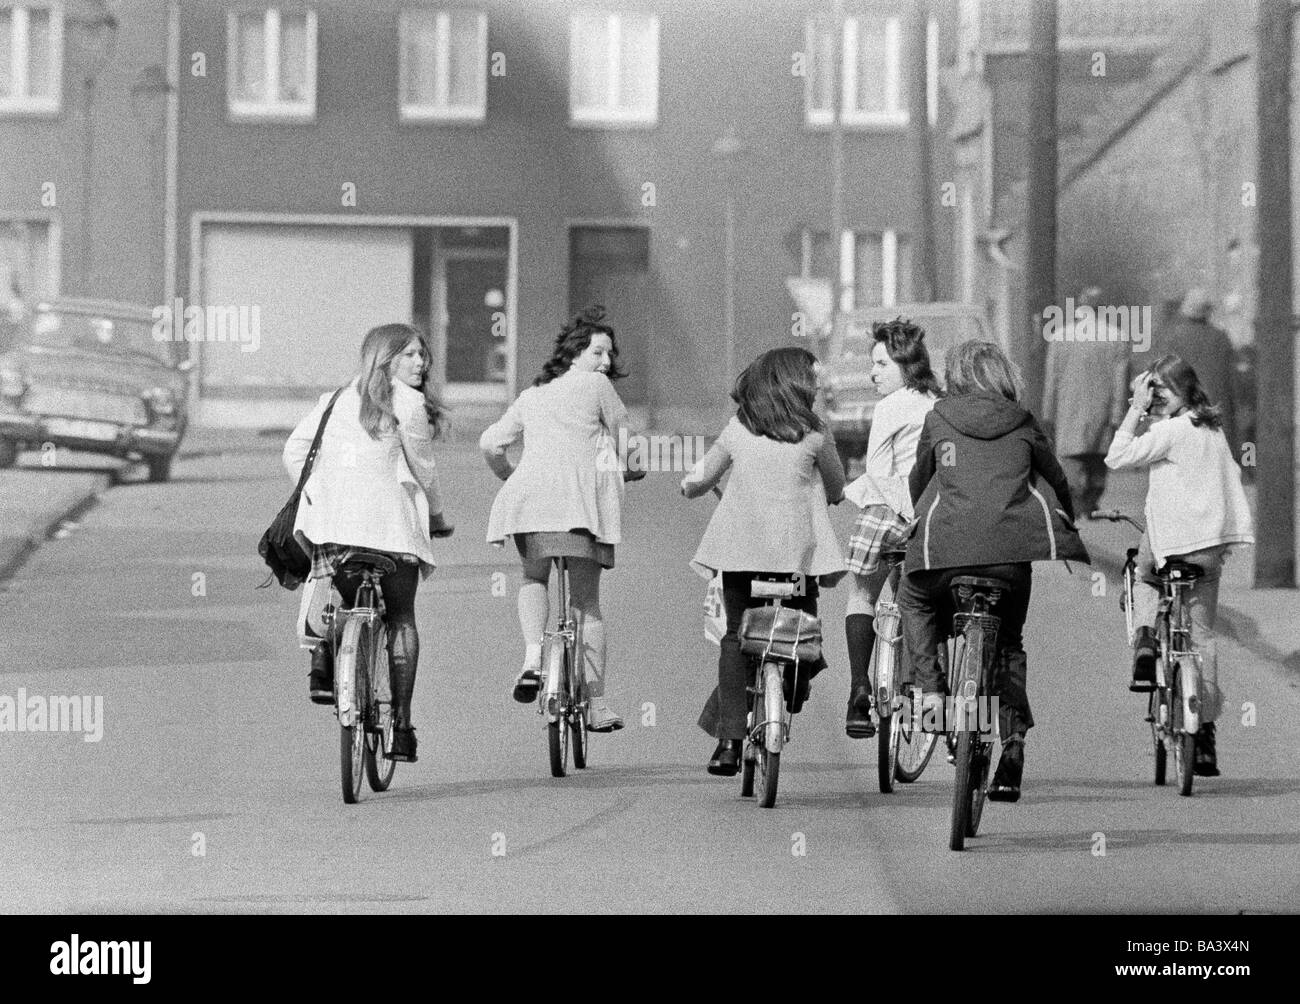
<point x="987" y="489"/>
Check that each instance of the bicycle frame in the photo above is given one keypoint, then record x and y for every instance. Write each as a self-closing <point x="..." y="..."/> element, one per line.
<point x="1177" y="650"/>
<point x="368" y="606"/>
<point x="553" y="701"/>
<point x="889" y="633"/>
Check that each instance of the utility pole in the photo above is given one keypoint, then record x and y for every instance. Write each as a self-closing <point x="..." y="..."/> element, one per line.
<point x="925" y="281"/>
<point x="1040" y="211"/>
<point x="837" y="174"/>
<point x="1274" y="331"/>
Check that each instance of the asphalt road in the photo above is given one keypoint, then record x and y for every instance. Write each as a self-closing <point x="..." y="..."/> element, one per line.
<point x="215" y="784"/>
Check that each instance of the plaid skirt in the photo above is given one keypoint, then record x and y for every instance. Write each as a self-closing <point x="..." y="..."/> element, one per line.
<point x="878" y="529"/>
<point x="325" y="558"/>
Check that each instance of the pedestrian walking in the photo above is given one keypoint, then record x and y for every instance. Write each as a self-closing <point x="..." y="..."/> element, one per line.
<point x="1207" y="350"/>
<point x="1195" y="510"/>
<point x="772" y="519"/>
<point x="1085" y="390"/>
<point x="983" y="488"/>
<point x="374" y="485"/>
<point x="901" y="374"/>
<point x="565" y="498"/>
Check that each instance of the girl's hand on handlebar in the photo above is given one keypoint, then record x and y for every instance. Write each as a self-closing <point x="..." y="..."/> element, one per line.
<point x="633" y="474"/>
<point x="439" y="527"/>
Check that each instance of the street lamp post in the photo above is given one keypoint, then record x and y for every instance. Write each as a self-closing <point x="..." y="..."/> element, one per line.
<point x="93" y="30"/>
<point x="726" y="148"/>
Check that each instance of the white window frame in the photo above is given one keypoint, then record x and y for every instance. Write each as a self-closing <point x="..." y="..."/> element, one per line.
<point x="612" y="113"/>
<point x="22" y="102"/>
<point x="271" y="109"/>
<point x="440" y="109"/>
<point x="849" y="258"/>
<point x="895" y="115"/>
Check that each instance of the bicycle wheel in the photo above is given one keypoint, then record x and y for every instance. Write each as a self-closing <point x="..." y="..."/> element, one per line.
<point x="913" y="747"/>
<point x="886" y="752"/>
<point x="979" y="783"/>
<point x="769" y="754"/>
<point x="558" y="731"/>
<point x="966" y="668"/>
<point x="379" y="739"/>
<point x="1184" y="741"/>
<point x="350" y="666"/>
<point x="1155" y="705"/>
<point x="749" y="755"/>
<point x="578" y="737"/>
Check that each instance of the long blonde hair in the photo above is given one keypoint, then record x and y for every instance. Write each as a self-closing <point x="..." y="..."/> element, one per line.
<point x="379" y="348"/>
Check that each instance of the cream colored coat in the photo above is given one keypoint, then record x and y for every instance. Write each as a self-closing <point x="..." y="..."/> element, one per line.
<point x="367" y="492"/>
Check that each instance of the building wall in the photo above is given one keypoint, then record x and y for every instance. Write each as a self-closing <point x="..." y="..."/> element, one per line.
<point x="721" y="64"/>
<point x="125" y="261"/>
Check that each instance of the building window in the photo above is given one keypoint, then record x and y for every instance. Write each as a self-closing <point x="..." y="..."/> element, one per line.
<point x="877" y="266"/>
<point x="31" y="58"/>
<point x="613" y="70"/>
<point x="873" y="91"/>
<point x="271" y="61"/>
<point x="443" y="65"/>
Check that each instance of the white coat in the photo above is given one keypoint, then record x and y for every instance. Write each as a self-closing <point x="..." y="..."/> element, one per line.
<point x="374" y="493"/>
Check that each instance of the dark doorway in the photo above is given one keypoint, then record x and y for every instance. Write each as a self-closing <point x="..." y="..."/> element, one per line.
<point x="610" y="265"/>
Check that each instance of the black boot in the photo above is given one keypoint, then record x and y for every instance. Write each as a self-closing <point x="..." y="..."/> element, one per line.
<point x="860" y="632"/>
<point x="320" y="683"/>
<point x="726" y="758"/>
<point x="1011" y="769"/>
<point x="1144" y="661"/>
<point x="1205" y="762"/>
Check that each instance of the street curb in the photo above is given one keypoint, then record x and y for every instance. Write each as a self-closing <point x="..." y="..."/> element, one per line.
<point x="1232" y="623"/>
<point x="17" y="548"/>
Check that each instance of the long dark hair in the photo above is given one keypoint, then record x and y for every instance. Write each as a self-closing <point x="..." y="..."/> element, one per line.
<point x="905" y="343"/>
<point x="775" y="395"/>
<point x="379" y="348"/>
<point x="573" y="340"/>
<point x="1177" y="373"/>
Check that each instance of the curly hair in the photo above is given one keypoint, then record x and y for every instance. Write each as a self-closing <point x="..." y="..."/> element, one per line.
<point x="775" y="395"/>
<point x="378" y="349"/>
<point x="905" y="343"/>
<point x="573" y="340"/>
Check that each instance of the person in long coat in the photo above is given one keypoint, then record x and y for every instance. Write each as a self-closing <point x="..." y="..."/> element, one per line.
<point x="1208" y="350"/>
<point x="1085" y="395"/>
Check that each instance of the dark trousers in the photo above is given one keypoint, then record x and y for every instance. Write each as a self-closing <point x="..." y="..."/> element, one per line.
<point x="724" y="712"/>
<point x="1086" y="473"/>
<point x="403" y="639"/>
<point x="925" y="599"/>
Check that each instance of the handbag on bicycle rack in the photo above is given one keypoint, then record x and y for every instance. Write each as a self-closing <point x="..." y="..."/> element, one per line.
<point x="289" y="563"/>
<point x="782" y="633"/>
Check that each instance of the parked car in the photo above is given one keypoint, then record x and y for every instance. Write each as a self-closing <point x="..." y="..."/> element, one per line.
<point x="89" y="375"/>
<point x="850" y="396"/>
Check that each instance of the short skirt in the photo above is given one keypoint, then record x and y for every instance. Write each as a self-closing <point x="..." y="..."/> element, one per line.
<point x="541" y="545"/>
<point x="877" y="529"/>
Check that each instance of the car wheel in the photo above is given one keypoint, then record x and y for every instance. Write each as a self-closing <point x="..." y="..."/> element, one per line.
<point x="8" y="453"/>
<point x="160" y="468"/>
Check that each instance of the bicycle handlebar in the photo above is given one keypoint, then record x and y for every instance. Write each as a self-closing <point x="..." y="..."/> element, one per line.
<point x="1115" y="516"/>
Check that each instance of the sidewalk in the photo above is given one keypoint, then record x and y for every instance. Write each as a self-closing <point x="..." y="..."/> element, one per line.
<point x="34" y="502"/>
<point x="1264" y="621"/>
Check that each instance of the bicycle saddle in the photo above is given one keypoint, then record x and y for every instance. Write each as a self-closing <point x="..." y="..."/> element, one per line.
<point x="1176" y="568"/>
<point x="894" y="557"/>
<point x="378" y="562"/>
<point x="980" y="583"/>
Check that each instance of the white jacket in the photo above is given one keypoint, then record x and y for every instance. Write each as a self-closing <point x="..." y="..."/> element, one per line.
<point x="375" y="493"/>
<point x="891" y="451"/>
<point x="1195" y="499"/>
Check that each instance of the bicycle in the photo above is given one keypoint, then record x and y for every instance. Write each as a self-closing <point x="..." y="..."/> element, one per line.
<point x="975" y="635"/>
<point x="363" y="699"/>
<point x="1173" y="707"/>
<point x="902" y="748"/>
<point x="562" y="697"/>
<point x="778" y="639"/>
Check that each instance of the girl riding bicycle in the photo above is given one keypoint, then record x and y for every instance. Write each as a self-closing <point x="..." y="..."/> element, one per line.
<point x="565" y="499"/>
<point x="900" y="371"/>
<point x="771" y="520"/>
<point x="981" y="513"/>
<point x="1195" y="509"/>
<point x="374" y="486"/>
